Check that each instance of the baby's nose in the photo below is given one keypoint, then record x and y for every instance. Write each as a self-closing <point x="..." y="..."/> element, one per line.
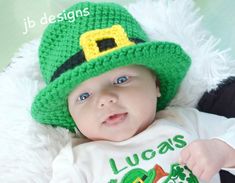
<point x="107" y="99"/>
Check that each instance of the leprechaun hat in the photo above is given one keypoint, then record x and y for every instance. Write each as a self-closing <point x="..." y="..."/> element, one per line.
<point x="101" y="37"/>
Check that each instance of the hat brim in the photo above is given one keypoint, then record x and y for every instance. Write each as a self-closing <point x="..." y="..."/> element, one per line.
<point x="168" y="60"/>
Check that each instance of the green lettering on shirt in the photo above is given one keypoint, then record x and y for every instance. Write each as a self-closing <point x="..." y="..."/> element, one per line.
<point x="114" y="167"/>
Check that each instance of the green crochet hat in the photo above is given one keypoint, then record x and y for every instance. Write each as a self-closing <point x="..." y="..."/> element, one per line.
<point x="91" y="39"/>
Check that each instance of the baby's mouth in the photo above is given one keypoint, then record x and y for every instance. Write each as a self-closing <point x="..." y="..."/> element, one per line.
<point x="115" y="119"/>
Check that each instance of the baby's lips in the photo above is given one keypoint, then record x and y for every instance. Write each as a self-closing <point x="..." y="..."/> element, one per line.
<point x="115" y="118"/>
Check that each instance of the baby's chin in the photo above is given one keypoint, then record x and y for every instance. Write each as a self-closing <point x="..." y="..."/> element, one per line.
<point x="114" y="138"/>
<point x="119" y="137"/>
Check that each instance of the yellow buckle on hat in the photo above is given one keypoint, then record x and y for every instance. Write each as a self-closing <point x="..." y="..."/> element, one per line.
<point x="89" y="41"/>
<point x="138" y="180"/>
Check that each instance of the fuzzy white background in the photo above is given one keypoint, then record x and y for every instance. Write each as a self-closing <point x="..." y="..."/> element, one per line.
<point x="27" y="148"/>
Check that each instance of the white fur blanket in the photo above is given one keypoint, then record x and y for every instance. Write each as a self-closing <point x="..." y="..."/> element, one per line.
<point x="28" y="148"/>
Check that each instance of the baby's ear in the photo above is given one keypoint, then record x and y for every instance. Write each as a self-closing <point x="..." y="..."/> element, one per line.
<point x="158" y="94"/>
<point x="157" y="82"/>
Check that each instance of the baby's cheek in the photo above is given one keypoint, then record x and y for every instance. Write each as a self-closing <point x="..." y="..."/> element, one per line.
<point x="85" y="124"/>
<point x="74" y="117"/>
<point x="84" y="128"/>
<point x="150" y="111"/>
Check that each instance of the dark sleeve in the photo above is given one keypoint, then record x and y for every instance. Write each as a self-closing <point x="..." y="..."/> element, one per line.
<point x="221" y="102"/>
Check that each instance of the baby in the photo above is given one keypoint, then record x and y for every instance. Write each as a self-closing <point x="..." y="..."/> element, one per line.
<point x="106" y="79"/>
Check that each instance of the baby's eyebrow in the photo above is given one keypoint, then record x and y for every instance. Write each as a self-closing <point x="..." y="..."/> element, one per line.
<point x="125" y="70"/>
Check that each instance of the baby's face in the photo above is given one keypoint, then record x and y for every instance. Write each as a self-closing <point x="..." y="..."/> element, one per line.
<point x="115" y="105"/>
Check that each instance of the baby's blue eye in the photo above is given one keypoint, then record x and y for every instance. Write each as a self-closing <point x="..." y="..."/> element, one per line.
<point x="83" y="96"/>
<point x="121" y="79"/>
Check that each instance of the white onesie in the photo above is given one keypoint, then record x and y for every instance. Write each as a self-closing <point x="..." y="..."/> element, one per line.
<point x="149" y="157"/>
